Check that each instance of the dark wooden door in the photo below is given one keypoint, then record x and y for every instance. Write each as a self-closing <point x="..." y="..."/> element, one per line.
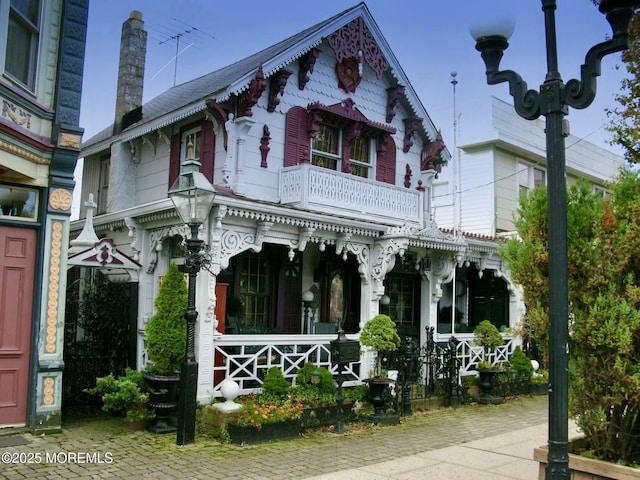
<point x="17" y="272"/>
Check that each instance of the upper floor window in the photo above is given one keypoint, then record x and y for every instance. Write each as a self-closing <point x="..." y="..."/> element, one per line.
<point x="103" y="188"/>
<point x="328" y="149"/>
<point x="359" y="157"/>
<point x="341" y="138"/>
<point x="529" y="177"/>
<point x="190" y="146"/>
<point x="22" y="40"/>
<point x="324" y="147"/>
<point x="195" y="141"/>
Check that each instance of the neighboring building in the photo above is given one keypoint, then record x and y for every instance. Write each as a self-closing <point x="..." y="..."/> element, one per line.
<point x="40" y="85"/>
<point x="480" y="196"/>
<point x="509" y="161"/>
<point x="323" y="158"/>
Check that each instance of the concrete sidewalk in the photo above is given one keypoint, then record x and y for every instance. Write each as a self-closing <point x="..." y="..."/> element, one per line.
<point x="471" y="442"/>
<point x="505" y="456"/>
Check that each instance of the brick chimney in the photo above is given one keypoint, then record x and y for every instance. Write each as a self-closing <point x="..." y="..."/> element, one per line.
<point x="133" y="50"/>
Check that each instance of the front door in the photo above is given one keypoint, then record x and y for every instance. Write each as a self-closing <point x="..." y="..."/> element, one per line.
<point x="17" y="270"/>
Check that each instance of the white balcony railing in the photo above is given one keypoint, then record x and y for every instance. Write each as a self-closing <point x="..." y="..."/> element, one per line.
<point x="320" y="189"/>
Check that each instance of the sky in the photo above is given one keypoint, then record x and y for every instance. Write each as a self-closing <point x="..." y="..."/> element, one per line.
<point x="430" y="40"/>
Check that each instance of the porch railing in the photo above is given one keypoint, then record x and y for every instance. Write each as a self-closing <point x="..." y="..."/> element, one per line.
<point x="322" y="189"/>
<point x="247" y="358"/>
<point x="469" y="354"/>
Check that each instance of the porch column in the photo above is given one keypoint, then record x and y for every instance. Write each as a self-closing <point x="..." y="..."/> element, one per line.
<point x="243" y="126"/>
<point x="207" y="324"/>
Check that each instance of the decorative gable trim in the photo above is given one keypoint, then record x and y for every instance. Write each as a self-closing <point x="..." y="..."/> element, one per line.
<point x="354" y="40"/>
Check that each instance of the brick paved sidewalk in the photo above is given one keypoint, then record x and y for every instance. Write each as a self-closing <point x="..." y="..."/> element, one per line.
<point x="123" y="453"/>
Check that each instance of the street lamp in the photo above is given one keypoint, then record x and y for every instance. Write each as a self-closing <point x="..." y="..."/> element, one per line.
<point x="552" y="101"/>
<point x="192" y="196"/>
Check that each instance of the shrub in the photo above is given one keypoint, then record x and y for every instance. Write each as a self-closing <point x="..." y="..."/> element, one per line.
<point x="124" y="395"/>
<point x="166" y="330"/>
<point x="304" y="376"/>
<point x="274" y="383"/>
<point x="521" y="364"/>
<point x="380" y="334"/>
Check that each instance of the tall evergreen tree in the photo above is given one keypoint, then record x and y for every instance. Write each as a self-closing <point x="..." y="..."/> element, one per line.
<point x="625" y="119"/>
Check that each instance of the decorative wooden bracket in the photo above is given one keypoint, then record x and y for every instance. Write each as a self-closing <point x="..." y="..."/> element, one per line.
<point x="393" y="101"/>
<point x="277" y="83"/>
<point x="252" y="95"/>
<point x="411" y="126"/>
<point x="306" y="66"/>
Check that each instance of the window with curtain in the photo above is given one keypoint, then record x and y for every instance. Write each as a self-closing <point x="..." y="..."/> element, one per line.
<point x="22" y="39"/>
<point x="324" y="147"/>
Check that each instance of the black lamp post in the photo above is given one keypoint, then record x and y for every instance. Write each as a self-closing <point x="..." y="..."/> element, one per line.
<point x="192" y="196"/>
<point x="552" y="102"/>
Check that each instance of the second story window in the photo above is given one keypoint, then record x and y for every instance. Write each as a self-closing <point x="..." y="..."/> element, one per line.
<point x="529" y="177"/>
<point x="324" y="147"/>
<point x="327" y="149"/>
<point x="191" y="146"/>
<point x="103" y="192"/>
<point x="195" y="141"/>
<point x="360" y="159"/>
<point x="22" y="41"/>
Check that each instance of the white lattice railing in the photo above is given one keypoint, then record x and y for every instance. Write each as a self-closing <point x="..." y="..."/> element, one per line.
<point x="470" y="354"/>
<point x="246" y="358"/>
<point x="321" y="189"/>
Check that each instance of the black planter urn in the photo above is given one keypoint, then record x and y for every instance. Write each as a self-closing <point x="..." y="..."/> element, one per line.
<point x="380" y="392"/>
<point x="163" y="398"/>
<point x="488" y="380"/>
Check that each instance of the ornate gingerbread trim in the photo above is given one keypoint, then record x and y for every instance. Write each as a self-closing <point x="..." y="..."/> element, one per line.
<point x="355" y="39"/>
<point x="306" y="66"/>
<point x="278" y="82"/>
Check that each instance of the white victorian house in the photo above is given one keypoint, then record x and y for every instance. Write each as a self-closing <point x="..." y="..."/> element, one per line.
<point x="323" y="159"/>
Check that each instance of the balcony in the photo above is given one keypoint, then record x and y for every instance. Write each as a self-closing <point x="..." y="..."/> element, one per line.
<point x="322" y="190"/>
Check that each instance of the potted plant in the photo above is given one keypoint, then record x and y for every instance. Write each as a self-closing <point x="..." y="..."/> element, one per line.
<point x="487" y="336"/>
<point x="166" y="347"/>
<point x="124" y="395"/>
<point x="381" y="336"/>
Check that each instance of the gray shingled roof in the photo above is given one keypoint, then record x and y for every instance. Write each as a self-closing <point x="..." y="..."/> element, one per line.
<point x="188" y="98"/>
<point x="205" y="86"/>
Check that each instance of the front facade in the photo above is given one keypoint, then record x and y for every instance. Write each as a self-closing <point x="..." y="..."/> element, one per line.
<point x="323" y="160"/>
<point x="41" y="74"/>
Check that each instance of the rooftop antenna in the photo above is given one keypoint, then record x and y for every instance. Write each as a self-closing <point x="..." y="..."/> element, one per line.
<point x="185" y="31"/>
